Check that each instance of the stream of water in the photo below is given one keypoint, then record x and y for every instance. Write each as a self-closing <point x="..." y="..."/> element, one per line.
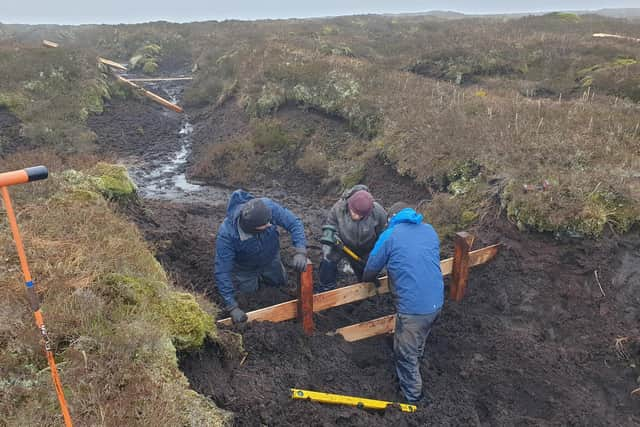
<point x="164" y="177"/>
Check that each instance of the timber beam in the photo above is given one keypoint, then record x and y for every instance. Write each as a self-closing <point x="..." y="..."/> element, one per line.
<point x="289" y="310"/>
<point x="151" y="95"/>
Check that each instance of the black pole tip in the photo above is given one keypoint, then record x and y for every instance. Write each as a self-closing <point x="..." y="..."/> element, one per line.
<point x="36" y="173"/>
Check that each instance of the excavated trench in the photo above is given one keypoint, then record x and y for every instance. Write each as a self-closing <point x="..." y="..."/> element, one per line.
<point x="532" y="343"/>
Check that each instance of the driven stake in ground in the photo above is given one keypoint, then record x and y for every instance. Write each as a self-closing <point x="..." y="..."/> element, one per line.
<point x="21" y="177"/>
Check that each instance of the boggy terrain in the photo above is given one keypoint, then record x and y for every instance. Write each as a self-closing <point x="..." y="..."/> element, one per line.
<point x="532" y="343"/>
<point x="522" y="131"/>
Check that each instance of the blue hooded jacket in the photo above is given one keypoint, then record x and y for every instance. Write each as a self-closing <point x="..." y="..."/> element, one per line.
<point x="255" y="252"/>
<point x="411" y="251"/>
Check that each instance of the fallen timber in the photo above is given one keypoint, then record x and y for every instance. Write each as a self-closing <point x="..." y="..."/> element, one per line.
<point x="151" y="95"/>
<point x="322" y="301"/>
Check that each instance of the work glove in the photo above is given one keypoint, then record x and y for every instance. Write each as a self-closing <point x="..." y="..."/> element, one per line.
<point x="300" y="260"/>
<point x="237" y="315"/>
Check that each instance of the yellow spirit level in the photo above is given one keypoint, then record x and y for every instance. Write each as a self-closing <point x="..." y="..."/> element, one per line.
<point x="338" y="399"/>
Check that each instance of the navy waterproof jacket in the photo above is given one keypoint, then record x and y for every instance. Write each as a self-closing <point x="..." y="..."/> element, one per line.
<point x="255" y="252"/>
<point x="411" y="251"/>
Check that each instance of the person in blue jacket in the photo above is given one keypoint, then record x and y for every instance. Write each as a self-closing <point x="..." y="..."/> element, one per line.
<point x="248" y="247"/>
<point x="410" y="250"/>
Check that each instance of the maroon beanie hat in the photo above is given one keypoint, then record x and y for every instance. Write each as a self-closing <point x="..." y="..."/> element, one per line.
<point x="361" y="202"/>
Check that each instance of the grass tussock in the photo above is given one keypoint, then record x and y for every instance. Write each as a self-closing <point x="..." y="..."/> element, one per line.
<point x="114" y="319"/>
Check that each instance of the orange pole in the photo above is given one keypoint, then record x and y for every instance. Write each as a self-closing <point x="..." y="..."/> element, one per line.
<point x="33" y="298"/>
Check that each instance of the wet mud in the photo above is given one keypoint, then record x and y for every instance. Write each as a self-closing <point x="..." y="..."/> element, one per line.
<point x="532" y="343"/>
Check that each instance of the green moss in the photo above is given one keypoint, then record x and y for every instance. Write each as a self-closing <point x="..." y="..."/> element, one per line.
<point x="187" y="322"/>
<point x="565" y="16"/>
<point x="268" y="135"/>
<point x="270" y="99"/>
<point x="133" y="290"/>
<point x="150" y="67"/>
<point x="146" y="58"/>
<point x="13" y="101"/>
<point x="113" y="182"/>
<point x="548" y="211"/>
<point x="353" y="177"/>
<point x="85" y="196"/>
<point x="605" y="208"/>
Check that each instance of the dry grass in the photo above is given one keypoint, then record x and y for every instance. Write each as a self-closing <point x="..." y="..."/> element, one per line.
<point x="116" y="358"/>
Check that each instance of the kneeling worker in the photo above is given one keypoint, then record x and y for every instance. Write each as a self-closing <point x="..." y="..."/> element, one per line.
<point x="358" y="221"/>
<point x="248" y="247"/>
<point x="410" y="249"/>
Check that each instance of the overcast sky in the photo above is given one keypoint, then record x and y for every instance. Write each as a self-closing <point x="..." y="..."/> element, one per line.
<point x="127" y="11"/>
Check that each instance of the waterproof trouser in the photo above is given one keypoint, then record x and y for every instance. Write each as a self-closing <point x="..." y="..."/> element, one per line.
<point x="409" y="340"/>
<point x="328" y="273"/>
<point x="272" y="274"/>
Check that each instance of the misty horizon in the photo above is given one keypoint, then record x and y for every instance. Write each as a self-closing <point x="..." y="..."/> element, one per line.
<point x="76" y="12"/>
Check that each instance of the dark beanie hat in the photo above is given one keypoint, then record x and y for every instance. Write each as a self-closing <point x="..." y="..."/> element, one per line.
<point x="361" y="202"/>
<point x="395" y="208"/>
<point x="253" y="214"/>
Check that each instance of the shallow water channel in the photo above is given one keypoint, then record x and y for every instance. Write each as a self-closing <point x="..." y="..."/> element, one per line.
<point x="162" y="176"/>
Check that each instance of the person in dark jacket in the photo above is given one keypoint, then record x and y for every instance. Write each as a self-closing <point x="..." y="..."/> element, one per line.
<point x="359" y="220"/>
<point x="410" y="250"/>
<point x="248" y="247"/>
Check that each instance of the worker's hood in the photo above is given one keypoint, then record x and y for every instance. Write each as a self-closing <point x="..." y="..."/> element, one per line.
<point x="237" y="199"/>
<point x="406" y="215"/>
<point x="348" y="193"/>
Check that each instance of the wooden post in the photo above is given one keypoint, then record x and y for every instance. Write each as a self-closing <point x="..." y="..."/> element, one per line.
<point x="305" y="299"/>
<point x="460" y="273"/>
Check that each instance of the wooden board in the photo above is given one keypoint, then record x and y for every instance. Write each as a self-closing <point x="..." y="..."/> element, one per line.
<point x="161" y="79"/>
<point x="288" y="310"/>
<point x="151" y="95"/>
<point x="616" y="36"/>
<point x="112" y="64"/>
<point x="47" y="43"/>
<point x="276" y="313"/>
<point x="371" y="328"/>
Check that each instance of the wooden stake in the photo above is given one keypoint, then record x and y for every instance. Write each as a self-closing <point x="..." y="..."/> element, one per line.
<point x="305" y="299"/>
<point x="460" y="274"/>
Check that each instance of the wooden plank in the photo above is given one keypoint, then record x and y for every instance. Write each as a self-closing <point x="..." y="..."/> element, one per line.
<point x="288" y="310"/>
<point x="347" y="294"/>
<point x="616" y="36"/>
<point x="112" y="64"/>
<point x="462" y="243"/>
<point x="161" y="79"/>
<point x="151" y="95"/>
<point x="305" y="299"/>
<point x="47" y="43"/>
<point x="371" y="328"/>
<point x="276" y="313"/>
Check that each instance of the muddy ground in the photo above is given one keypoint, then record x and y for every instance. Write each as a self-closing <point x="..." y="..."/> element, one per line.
<point x="532" y="343"/>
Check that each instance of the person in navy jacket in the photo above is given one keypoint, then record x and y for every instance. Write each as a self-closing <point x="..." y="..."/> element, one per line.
<point x="248" y="247"/>
<point x="410" y="250"/>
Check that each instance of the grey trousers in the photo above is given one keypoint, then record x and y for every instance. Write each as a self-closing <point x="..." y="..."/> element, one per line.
<point x="272" y="274"/>
<point x="409" y="341"/>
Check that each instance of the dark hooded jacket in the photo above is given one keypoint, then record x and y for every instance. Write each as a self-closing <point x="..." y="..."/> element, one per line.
<point x="255" y="252"/>
<point x="359" y="236"/>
